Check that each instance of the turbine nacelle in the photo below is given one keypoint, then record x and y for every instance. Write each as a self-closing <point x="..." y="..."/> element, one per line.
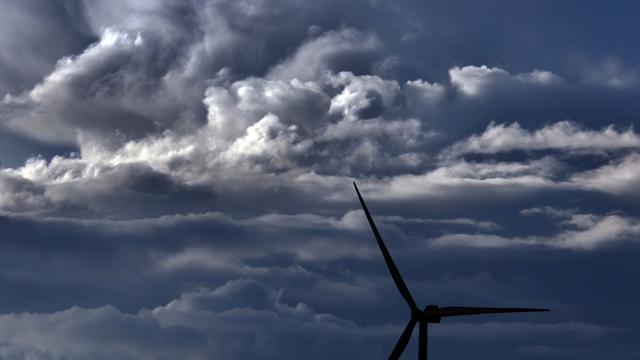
<point x="430" y="314"/>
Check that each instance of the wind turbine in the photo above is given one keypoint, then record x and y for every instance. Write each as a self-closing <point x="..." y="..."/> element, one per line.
<point x="431" y="313"/>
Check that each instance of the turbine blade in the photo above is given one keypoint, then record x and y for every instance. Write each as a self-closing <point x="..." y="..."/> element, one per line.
<point x="403" y="340"/>
<point x="395" y="274"/>
<point x="462" y="310"/>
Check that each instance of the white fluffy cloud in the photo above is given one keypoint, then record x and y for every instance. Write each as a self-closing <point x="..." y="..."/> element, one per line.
<point x="232" y="110"/>
<point x="620" y="177"/>
<point x="476" y="80"/>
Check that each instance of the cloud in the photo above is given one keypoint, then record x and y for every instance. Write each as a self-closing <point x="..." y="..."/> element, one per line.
<point x="19" y="195"/>
<point x="198" y="325"/>
<point x="132" y="263"/>
<point x="208" y="36"/>
<point x="267" y="143"/>
<point x="423" y="93"/>
<point x="462" y="178"/>
<point x="255" y="126"/>
<point x="476" y="80"/>
<point x="277" y="154"/>
<point x="148" y="71"/>
<point x="363" y="97"/>
<point x="580" y="232"/>
<point x="232" y="109"/>
<point x="564" y="135"/>
<point x="482" y="225"/>
<point x="610" y="72"/>
<point x="344" y="49"/>
<point x="549" y="211"/>
<point x="597" y="231"/>
<point x="273" y="127"/>
<point x="620" y="177"/>
<point x="112" y="90"/>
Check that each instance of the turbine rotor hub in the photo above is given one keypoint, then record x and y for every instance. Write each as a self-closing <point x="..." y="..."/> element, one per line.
<point x="417" y="314"/>
<point x="430" y="314"/>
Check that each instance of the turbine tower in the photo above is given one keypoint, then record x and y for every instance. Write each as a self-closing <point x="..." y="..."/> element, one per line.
<point x="431" y="313"/>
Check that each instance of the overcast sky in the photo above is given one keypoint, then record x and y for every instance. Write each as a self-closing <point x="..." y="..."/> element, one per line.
<point x="176" y="177"/>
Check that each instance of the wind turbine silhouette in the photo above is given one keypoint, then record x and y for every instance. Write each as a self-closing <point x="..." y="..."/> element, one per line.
<point x="431" y="313"/>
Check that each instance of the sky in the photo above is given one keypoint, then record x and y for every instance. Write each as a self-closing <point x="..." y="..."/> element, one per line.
<point x="176" y="177"/>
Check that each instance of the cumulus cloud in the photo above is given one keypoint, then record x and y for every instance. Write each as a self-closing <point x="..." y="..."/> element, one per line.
<point x="363" y="97"/>
<point x="267" y="143"/>
<point x="231" y="110"/>
<point x="148" y="72"/>
<point x="253" y="125"/>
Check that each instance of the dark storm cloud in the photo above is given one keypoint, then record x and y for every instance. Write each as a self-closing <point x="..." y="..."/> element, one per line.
<point x="204" y="323"/>
<point x="185" y="189"/>
<point x="166" y="261"/>
<point x="217" y="245"/>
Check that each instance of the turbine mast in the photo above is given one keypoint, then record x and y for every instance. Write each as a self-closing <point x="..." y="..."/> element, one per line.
<point x="423" y="339"/>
